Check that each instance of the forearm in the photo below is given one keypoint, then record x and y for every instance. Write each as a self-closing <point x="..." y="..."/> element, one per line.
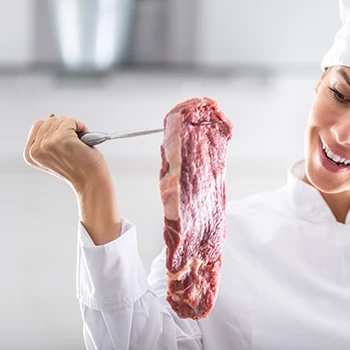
<point x="98" y="209"/>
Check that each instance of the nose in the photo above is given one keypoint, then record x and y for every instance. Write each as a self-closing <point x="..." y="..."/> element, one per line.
<point x="341" y="132"/>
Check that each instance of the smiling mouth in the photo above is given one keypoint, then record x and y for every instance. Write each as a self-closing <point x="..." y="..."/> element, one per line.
<point x="334" y="158"/>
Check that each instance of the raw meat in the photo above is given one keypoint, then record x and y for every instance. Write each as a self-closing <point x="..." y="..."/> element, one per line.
<point x="192" y="186"/>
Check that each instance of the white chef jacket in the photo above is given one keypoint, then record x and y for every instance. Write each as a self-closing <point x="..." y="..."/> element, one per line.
<point x="285" y="282"/>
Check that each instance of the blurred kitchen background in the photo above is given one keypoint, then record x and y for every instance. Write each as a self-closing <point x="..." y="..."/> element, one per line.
<point x="123" y="64"/>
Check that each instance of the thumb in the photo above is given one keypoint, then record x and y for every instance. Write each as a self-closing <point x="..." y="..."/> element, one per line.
<point x="73" y="125"/>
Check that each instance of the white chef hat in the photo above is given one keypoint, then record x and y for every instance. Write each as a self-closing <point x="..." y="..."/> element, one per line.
<point x="339" y="53"/>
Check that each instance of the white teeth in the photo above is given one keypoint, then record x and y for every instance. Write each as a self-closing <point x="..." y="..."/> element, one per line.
<point x="330" y="154"/>
<point x="335" y="157"/>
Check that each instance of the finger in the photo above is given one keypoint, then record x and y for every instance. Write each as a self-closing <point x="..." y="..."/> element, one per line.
<point x="37" y="129"/>
<point x="30" y="140"/>
<point x="55" y="126"/>
<point x="42" y="132"/>
<point x="54" y="130"/>
<point x="71" y="125"/>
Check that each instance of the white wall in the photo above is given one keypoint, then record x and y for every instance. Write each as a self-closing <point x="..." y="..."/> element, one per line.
<point x="17" y="32"/>
<point x="256" y="106"/>
<point x="274" y="33"/>
<point x="268" y="33"/>
<point x="39" y="213"/>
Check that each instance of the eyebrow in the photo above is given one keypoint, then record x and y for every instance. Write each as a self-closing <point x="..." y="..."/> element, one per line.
<point x="342" y="72"/>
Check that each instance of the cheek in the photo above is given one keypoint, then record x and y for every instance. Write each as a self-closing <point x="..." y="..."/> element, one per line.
<point x="322" y="116"/>
<point x="324" y="112"/>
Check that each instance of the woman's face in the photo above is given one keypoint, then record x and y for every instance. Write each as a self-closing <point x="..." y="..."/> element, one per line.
<point x="327" y="136"/>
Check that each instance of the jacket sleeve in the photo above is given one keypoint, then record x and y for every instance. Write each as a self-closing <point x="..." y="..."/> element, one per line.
<point x="122" y="309"/>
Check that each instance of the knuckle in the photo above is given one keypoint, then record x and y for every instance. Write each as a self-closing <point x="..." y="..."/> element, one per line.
<point x="38" y="123"/>
<point x="63" y="118"/>
<point x="33" y="157"/>
<point x="34" y="151"/>
<point x="27" y="158"/>
<point x="56" y="140"/>
<point x="47" y="145"/>
<point x="40" y="153"/>
<point x="61" y="139"/>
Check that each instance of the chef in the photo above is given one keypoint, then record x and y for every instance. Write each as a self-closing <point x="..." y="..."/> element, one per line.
<point x="285" y="281"/>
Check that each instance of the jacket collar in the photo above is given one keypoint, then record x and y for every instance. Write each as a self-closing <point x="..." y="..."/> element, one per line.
<point x="306" y="200"/>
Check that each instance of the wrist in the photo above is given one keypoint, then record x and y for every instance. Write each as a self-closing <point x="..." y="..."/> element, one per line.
<point x="98" y="209"/>
<point x="90" y="183"/>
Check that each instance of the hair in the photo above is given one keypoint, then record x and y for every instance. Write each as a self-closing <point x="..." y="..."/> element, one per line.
<point x="326" y="71"/>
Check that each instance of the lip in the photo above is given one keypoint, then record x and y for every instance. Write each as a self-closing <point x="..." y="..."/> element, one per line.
<point x="327" y="163"/>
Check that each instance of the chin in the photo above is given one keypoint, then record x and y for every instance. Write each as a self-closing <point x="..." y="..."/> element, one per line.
<point x="323" y="180"/>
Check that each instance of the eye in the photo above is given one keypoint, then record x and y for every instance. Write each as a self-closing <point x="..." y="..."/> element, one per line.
<point x="338" y="95"/>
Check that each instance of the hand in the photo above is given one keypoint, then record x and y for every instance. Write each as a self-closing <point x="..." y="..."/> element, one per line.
<point x="54" y="147"/>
